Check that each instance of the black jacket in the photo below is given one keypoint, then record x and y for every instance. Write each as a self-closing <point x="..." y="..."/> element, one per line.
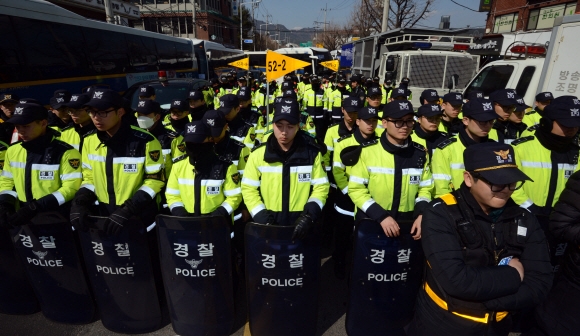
<point x="432" y="140"/>
<point x="509" y="130"/>
<point x="565" y="226"/>
<point x="466" y="276"/>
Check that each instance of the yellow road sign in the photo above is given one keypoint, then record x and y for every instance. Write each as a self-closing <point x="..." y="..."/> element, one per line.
<point x="244" y="63"/>
<point x="277" y="65"/>
<point x="332" y="65"/>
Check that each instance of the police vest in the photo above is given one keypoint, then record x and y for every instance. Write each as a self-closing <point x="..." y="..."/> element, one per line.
<point x="117" y="168"/>
<point x="201" y="193"/>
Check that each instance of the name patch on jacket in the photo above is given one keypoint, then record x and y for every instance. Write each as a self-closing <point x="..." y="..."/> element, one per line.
<point x="212" y="190"/>
<point x="130" y="167"/>
<point x="414" y="179"/>
<point x="46" y="175"/>
<point x="304" y="177"/>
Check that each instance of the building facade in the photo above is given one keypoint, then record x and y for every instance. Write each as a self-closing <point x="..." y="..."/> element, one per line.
<point x="527" y="15"/>
<point x="213" y="19"/>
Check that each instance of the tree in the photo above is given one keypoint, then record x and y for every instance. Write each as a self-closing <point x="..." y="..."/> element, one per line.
<point x="368" y="16"/>
<point x="335" y="36"/>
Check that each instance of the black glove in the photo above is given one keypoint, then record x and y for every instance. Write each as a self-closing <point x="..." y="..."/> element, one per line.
<point x="220" y="211"/>
<point x="116" y="221"/>
<point x="6" y="211"/>
<point x="304" y="224"/>
<point x="79" y="216"/>
<point x="265" y="217"/>
<point x="180" y="212"/>
<point x="24" y="214"/>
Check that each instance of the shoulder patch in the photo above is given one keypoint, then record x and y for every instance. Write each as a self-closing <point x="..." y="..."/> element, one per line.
<point x="179" y="158"/>
<point x="344" y="137"/>
<point x="259" y="146"/>
<point x="370" y="143"/>
<point x="522" y="140"/>
<point x="224" y="159"/>
<point x="533" y="128"/>
<point x="171" y="134"/>
<point x="447" y="143"/>
<point x="140" y="133"/>
<point x="419" y="146"/>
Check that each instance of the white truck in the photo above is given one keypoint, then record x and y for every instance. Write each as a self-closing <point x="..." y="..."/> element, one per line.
<point x="430" y="58"/>
<point x="535" y="68"/>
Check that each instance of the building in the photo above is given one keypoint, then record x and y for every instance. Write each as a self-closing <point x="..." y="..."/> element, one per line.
<point x="213" y="19"/>
<point x="124" y="11"/>
<point x="527" y="15"/>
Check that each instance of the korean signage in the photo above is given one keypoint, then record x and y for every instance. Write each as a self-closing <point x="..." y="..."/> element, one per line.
<point x="119" y="8"/>
<point x="486" y="46"/>
<point x="505" y="23"/>
<point x="484" y="5"/>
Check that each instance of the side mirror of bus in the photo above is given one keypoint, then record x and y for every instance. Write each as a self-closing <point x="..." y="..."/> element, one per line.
<point x="453" y="81"/>
<point x="208" y="54"/>
<point x="390" y="65"/>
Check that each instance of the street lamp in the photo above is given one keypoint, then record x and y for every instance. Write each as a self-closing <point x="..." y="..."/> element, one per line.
<point x="240" y="9"/>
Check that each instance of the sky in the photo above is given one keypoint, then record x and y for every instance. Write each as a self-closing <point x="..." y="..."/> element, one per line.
<point x="303" y="13"/>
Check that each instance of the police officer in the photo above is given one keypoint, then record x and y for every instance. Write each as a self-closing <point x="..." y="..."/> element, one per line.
<point x="314" y="101"/>
<point x="336" y="98"/>
<point x="504" y="103"/>
<point x="197" y="105"/>
<point x="149" y="119"/>
<point x="486" y="257"/>
<point x="284" y="182"/>
<point x="8" y="103"/>
<point x="355" y="88"/>
<point x="426" y="130"/>
<point x="249" y="117"/>
<point x="451" y="120"/>
<point x="58" y="118"/>
<point x="239" y="129"/>
<point x="304" y="83"/>
<point x="399" y="94"/>
<point x="543" y="99"/>
<point x="122" y="168"/>
<point x="366" y="121"/>
<point x="350" y="107"/>
<point x="392" y="182"/>
<point x="429" y="96"/>
<point x="447" y="164"/>
<point x="146" y="92"/>
<point x="512" y="128"/>
<point x="82" y="123"/>
<point x="558" y="315"/>
<point x="178" y="116"/>
<point x="40" y="172"/>
<point x="474" y="94"/>
<point x="220" y="192"/>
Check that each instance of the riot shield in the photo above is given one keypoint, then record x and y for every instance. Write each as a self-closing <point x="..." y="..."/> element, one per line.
<point x="122" y="277"/>
<point x="385" y="278"/>
<point x="197" y="273"/>
<point x="282" y="278"/>
<point x="16" y="295"/>
<point x="49" y="251"/>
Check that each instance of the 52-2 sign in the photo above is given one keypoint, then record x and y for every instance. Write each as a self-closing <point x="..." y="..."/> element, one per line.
<point x="273" y="66"/>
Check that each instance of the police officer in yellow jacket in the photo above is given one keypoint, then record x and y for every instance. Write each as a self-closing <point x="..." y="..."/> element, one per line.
<point x="533" y="117"/>
<point x="337" y="96"/>
<point x="284" y="182"/>
<point x="346" y="126"/>
<point x="202" y="182"/>
<point x="82" y="123"/>
<point x="40" y="172"/>
<point x="364" y="132"/>
<point x="122" y="168"/>
<point x="549" y="157"/>
<point x="451" y="120"/>
<point x="391" y="182"/>
<point x="447" y="164"/>
<point x="426" y="130"/>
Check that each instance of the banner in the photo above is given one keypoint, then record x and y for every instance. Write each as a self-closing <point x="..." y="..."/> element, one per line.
<point x="277" y="65"/>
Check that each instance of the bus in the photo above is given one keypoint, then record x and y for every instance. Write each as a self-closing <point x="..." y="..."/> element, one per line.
<point x="311" y="55"/>
<point x="257" y="60"/>
<point x="46" y="48"/>
<point x="213" y="58"/>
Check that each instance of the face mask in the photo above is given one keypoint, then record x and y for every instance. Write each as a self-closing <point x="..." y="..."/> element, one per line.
<point x="145" y="122"/>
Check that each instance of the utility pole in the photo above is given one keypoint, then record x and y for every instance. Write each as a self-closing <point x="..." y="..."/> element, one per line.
<point x="385" y="26"/>
<point x="254" y="25"/>
<point x="109" y="12"/>
<point x="193" y="19"/>
<point x="325" y="9"/>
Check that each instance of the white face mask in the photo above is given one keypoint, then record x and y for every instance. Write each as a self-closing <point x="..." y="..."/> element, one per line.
<point x="145" y="122"/>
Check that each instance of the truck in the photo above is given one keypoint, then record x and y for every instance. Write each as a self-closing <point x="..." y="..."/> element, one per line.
<point x="531" y="68"/>
<point x="431" y="58"/>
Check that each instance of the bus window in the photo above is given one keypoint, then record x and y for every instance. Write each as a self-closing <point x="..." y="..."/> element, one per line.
<point x="142" y="53"/>
<point x="51" y="50"/>
<point x="525" y="80"/>
<point x="185" y="57"/>
<point x="11" y="60"/>
<point x="107" y="51"/>
<point x="166" y="53"/>
<point x="491" y="79"/>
